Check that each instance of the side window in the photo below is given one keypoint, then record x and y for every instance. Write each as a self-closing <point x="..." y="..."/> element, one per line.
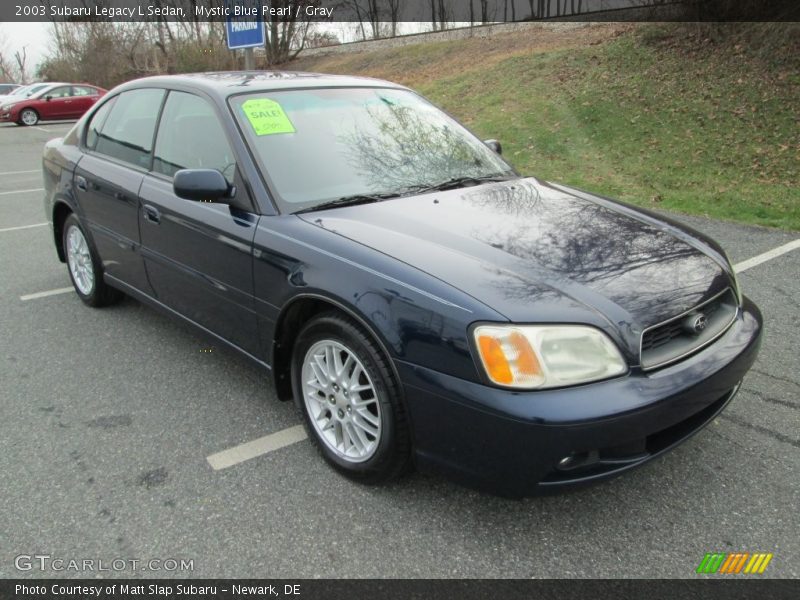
<point x="79" y="90"/>
<point x="127" y="133"/>
<point x="191" y="137"/>
<point x="60" y="92"/>
<point x="96" y="124"/>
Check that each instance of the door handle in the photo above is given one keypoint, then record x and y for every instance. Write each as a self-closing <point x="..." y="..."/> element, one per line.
<point x="151" y="214"/>
<point x="80" y="183"/>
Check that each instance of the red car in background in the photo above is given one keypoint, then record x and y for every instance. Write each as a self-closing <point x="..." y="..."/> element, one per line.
<point x="59" y="101"/>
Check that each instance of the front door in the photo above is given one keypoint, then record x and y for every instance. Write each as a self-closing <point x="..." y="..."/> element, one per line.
<point x="198" y="255"/>
<point x="57" y="103"/>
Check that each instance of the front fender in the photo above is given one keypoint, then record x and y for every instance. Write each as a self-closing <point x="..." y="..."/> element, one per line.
<point x="418" y="318"/>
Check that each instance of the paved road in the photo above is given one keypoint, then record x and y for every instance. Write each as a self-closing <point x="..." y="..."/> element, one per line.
<point x="109" y="416"/>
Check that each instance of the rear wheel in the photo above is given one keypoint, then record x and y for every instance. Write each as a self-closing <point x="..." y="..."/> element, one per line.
<point x="84" y="267"/>
<point x="350" y="400"/>
<point x="28" y="117"/>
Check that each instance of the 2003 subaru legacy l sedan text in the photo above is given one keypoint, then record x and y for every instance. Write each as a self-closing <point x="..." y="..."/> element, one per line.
<point x="420" y="301"/>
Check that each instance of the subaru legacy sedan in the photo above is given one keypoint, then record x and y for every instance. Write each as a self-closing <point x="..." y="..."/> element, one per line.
<point x="421" y="302"/>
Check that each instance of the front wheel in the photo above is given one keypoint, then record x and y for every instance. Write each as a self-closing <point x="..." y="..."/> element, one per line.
<point x="350" y="400"/>
<point x="28" y="117"/>
<point x="84" y="267"/>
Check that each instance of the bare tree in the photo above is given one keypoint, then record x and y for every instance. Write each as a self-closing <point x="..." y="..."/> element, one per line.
<point x="107" y="53"/>
<point x="286" y="36"/>
<point x="13" y="67"/>
<point x="21" y="59"/>
<point x="441" y="14"/>
<point x="484" y="11"/>
<point x="444" y="14"/>
<point x="369" y="12"/>
<point x="395" y="8"/>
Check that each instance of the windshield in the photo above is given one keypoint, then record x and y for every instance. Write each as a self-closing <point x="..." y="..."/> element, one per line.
<point x="27" y="91"/>
<point x="319" y="145"/>
<point x="39" y="91"/>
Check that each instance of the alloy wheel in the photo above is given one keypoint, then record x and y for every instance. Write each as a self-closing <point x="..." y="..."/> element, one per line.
<point x="79" y="259"/>
<point x="341" y="400"/>
<point x="29" y="117"/>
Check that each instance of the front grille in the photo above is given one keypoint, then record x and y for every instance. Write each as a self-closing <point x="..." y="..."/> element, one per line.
<point x="673" y="339"/>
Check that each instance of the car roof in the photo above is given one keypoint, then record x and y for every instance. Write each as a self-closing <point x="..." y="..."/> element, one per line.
<point x="228" y="83"/>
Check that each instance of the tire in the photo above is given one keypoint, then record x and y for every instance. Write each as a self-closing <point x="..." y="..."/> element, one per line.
<point x="363" y="406"/>
<point x="28" y="117"/>
<point x="83" y="266"/>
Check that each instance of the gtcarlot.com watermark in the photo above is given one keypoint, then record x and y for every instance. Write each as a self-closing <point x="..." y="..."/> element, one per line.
<point x="57" y="564"/>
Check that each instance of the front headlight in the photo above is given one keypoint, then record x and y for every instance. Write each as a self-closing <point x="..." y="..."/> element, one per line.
<point x="543" y="356"/>
<point x="7" y="106"/>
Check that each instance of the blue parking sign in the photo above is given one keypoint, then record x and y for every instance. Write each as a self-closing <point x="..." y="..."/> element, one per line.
<point x="244" y="25"/>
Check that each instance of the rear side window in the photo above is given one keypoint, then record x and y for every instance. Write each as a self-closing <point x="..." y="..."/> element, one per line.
<point x="79" y="90"/>
<point x="96" y="124"/>
<point x="127" y="133"/>
<point x="191" y="137"/>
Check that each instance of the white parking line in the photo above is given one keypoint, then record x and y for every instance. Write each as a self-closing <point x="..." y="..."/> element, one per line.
<point x="21" y="191"/>
<point x="23" y="227"/>
<point x="46" y="294"/>
<point x="20" y="172"/>
<point x="268" y="443"/>
<point x="769" y="255"/>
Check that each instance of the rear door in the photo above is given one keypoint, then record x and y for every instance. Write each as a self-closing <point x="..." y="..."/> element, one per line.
<point x="83" y="97"/>
<point x="119" y="145"/>
<point x="198" y="255"/>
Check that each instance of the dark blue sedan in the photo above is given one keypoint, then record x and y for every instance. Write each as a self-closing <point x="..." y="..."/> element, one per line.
<point x="421" y="302"/>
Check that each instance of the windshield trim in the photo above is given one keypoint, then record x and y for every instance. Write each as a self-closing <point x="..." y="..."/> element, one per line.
<point x="283" y="207"/>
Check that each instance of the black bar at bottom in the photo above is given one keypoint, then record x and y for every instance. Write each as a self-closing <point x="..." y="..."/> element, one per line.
<point x="731" y="587"/>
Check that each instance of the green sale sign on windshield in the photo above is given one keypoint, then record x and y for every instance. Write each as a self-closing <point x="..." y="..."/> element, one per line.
<point x="267" y="117"/>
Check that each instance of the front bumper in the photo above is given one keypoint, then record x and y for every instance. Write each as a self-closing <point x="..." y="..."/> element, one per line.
<point x="511" y="443"/>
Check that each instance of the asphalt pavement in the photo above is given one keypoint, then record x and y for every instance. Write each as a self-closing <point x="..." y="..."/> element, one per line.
<point x="109" y="416"/>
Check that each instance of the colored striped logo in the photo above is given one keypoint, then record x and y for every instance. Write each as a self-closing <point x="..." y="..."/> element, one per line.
<point x="734" y="563"/>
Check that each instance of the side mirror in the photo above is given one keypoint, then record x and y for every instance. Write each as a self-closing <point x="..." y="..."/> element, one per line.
<point x="48" y="98"/>
<point x="204" y="185"/>
<point x="494" y="145"/>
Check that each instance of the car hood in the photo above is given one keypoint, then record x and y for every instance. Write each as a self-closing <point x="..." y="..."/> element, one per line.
<point x="537" y="252"/>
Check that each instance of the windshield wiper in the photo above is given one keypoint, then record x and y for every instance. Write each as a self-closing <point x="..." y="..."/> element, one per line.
<point x="348" y="201"/>
<point x="457" y="182"/>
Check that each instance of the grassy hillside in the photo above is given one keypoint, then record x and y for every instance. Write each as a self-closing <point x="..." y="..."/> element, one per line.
<point x="663" y="116"/>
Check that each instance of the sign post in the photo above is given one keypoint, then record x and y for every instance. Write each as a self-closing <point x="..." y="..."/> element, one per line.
<point x="245" y="28"/>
